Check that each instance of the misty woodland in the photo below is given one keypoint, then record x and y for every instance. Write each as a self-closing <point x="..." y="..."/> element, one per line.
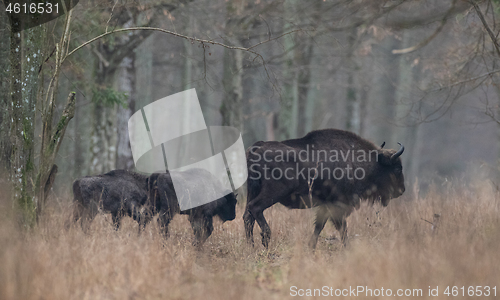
<point x="371" y="133"/>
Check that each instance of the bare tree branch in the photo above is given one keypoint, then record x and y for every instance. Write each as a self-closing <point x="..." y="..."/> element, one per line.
<point x="431" y="37"/>
<point x="203" y="42"/>
<point x="466" y="80"/>
<point x="486" y="26"/>
<point x="100" y="56"/>
<point x="278" y="37"/>
<point x="249" y="49"/>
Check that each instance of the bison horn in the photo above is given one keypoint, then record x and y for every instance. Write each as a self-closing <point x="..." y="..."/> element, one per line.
<point x="398" y="154"/>
<point x="382" y="146"/>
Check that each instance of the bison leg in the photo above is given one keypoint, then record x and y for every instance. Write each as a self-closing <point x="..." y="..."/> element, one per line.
<point x="266" y="230"/>
<point x="140" y="214"/>
<point x="257" y="206"/>
<point x="249" y="221"/>
<point x="202" y="228"/>
<point x="252" y="213"/>
<point x="341" y="225"/>
<point x="78" y="212"/>
<point x="163" y="221"/>
<point x="321" y="218"/>
<point x="117" y="217"/>
<point x="143" y="219"/>
<point x="76" y="215"/>
<point x="86" y="215"/>
<point x="268" y="196"/>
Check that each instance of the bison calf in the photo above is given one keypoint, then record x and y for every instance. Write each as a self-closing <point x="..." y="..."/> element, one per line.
<point x="119" y="192"/>
<point x="192" y="182"/>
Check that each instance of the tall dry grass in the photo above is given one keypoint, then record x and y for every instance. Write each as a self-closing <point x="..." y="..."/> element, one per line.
<point x="389" y="248"/>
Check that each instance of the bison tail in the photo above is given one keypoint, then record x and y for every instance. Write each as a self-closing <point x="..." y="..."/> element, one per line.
<point x="253" y="188"/>
<point x="254" y="183"/>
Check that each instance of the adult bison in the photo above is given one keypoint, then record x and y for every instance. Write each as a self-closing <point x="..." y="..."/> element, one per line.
<point x="329" y="169"/>
<point x="119" y="192"/>
<point x="195" y="183"/>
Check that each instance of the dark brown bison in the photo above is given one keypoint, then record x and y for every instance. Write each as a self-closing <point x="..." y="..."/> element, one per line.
<point x="119" y="192"/>
<point x="164" y="201"/>
<point x="330" y="169"/>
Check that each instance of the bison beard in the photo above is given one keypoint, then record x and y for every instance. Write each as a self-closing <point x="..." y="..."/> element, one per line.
<point x="335" y="198"/>
<point x="164" y="201"/>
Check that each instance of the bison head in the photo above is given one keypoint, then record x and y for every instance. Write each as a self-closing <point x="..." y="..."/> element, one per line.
<point x="389" y="179"/>
<point x="226" y="207"/>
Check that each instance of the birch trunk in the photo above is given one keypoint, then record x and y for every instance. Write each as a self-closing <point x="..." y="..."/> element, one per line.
<point x="25" y="58"/>
<point x="5" y="102"/>
<point x="103" y="135"/>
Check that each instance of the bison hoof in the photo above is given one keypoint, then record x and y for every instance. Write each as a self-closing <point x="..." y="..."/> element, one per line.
<point x="265" y="239"/>
<point x="250" y="242"/>
<point x="312" y="245"/>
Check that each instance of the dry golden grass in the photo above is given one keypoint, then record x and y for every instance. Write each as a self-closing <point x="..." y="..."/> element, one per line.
<point x="389" y="247"/>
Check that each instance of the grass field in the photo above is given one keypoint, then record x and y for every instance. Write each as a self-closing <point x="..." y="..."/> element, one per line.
<point x="389" y="248"/>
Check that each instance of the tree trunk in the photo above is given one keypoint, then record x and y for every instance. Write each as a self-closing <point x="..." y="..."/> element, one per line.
<point x="5" y="103"/>
<point x="288" y="114"/>
<point x="51" y="138"/>
<point x="18" y="151"/>
<point x="103" y="135"/>
<point x="363" y="111"/>
<point x="411" y="135"/>
<point x="307" y="93"/>
<point x="78" y="152"/>
<point x="304" y="58"/>
<point x="384" y="90"/>
<point x="47" y="169"/>
<point x="103" y="141"/>
<point x="25" y="55"/>
<point x="187" y="72"/>
<point x="353" y="117"/>
<point x="109" y="126"/>
<point x="127" y="84"/>
<point x="233" y="65"/>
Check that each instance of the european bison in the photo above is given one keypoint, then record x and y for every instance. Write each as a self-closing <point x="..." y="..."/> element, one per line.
<point x="119" y="192"/>
<point x="192" y="182"/>
<point x="329" y="169"/>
